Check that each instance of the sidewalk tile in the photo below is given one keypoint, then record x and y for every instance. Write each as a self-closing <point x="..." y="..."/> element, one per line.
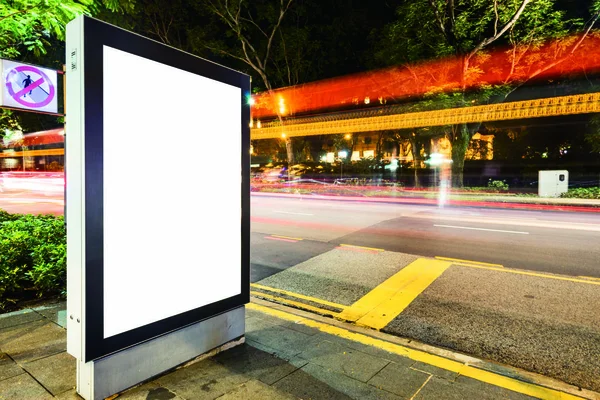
<point x="149" y="391"/>
<point x="255" y="363"/>
<point x="496" y="391"/>
<point x="203" y="380"/>
<point x="56" y="373"/>
<point x="442" y="389"/>
<point x="294" y="360"/>
<point x="22" y="387"/>
<point x="303" y="385"/>
<point x="345" y="360"/>
<point x="287" y="342"/>
<point x="371" y="350"/>
<point x="18" y="317"/>
<point x="439" y="372"/>
<point x="253" y="390"/>
<point x="70" y="395"/>
<point x="28" y="342"/>
<point x="55" y="312"/>
<point x="316" y="382"/>
<point x="8" y="368"/>
<point x="399" y="380"/>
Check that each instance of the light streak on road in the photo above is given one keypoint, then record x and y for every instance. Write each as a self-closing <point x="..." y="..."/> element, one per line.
<point x="480" y="229"/>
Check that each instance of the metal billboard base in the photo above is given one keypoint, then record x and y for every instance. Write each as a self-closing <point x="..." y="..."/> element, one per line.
<point x="116" y="372"/>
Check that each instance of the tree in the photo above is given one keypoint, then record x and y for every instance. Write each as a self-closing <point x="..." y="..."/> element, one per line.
<point x="30" y="28"/>
<point x="255" y="26"/>
<point x="466" y="30"/>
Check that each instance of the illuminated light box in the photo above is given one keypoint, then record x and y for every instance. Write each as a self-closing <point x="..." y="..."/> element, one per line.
<point x="158" y="227"/>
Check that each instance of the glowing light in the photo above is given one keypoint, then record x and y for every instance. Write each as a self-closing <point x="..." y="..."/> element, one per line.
<point x="347" y="136"/>
<point x="250" y="100"/>
<point x="342" y="154"/>
<point x="283" y="135"/>
<point x="251" y="123"/>
<point x="258" y="124"/>
<point x="441" y="75"/>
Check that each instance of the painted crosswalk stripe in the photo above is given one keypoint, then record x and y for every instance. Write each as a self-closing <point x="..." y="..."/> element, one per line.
<point x="382" y="304"/>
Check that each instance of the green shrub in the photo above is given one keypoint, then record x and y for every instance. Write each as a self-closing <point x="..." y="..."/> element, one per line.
<point x="498" y="185"/>
<point x="583" y="193"/>
<point x="32" y="256"/>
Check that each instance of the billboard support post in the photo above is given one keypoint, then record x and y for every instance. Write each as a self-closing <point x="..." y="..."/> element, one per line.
<point x="158" y="262"/>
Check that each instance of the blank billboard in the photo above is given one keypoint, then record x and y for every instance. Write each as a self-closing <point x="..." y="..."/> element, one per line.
<point x="172" y="203"/>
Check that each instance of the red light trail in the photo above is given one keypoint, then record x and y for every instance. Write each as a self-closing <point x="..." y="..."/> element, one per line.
<point x="575" y="55"/>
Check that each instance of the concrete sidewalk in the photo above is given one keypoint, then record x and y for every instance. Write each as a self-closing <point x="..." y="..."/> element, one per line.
<point x="288" y="354"/>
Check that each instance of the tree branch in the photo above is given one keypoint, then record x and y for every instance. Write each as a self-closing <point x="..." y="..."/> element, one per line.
<point x="438" y="17"/>
<point x="497" y="17"/>
<point x="506" y="27"/>
<point x="25" y="10"/>
<point x="282" y="12"/>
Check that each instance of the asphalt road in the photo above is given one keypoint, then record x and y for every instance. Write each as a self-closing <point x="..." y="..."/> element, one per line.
<point x="557" y="242"/>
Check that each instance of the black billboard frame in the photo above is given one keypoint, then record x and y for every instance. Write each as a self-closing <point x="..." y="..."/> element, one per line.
<point x="98" y="34"/>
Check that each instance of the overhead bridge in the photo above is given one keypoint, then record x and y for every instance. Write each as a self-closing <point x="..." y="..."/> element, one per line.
<point x="373" y="120"/>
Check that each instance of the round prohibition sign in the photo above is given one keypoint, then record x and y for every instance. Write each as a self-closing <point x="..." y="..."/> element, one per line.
<point x="17" y="95"/>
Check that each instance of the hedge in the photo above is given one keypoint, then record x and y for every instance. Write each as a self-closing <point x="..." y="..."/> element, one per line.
<point x="33" y="257"/>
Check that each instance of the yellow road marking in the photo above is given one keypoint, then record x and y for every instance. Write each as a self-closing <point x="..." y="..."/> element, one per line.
<point x="293" y="303"/>
<point x="513" y="384"/>
<point x="538" y="275"/>
<point x="590" y="277"/>
<point x="361" y="247"/>
<point x="381" y="305"/>
<point x="458" y="260"/>
<point x="286" y="237"/>
<point x="299" y="296"/>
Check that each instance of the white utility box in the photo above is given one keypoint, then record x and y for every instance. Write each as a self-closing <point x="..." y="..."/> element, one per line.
<point x="553" y="183"/>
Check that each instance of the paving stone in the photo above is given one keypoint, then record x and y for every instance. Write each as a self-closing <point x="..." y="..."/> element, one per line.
<point x="255" y="363"/>
<point x="56" y="312"/>
<point x="18" y="317"/>
<point x="8" y="368"/>
<point x="34" y="340"/>
<point x="206" y="379"/>
<point x="345" y="360"/>
<point x="371" y="350"/>
<point x="22" y="387"/>
<point x="302" y="328"/>
<point x="70" y="395"/>
<point x="149" y="391"/>
<point x="439" y="372"/>
<point x="399" y="380"/>
<point x="287" y="342"/>
<point x="340" y="385"/>
<point x="295" y="360"/>
<point x="494" y="391"/>
<point x="252" y="390"/>
<point x="56" y="373"/>
<point x="303" y="385"/>
<point x="442" y="389"/>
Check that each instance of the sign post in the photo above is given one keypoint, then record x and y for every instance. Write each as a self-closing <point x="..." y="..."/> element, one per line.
<point x="157" y="257"/>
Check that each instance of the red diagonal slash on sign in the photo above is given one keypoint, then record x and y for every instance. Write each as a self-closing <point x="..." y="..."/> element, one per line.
<point x="29" y="88"/>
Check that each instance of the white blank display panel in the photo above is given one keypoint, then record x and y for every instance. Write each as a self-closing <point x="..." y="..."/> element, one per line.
<point x="172" y="191"/>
